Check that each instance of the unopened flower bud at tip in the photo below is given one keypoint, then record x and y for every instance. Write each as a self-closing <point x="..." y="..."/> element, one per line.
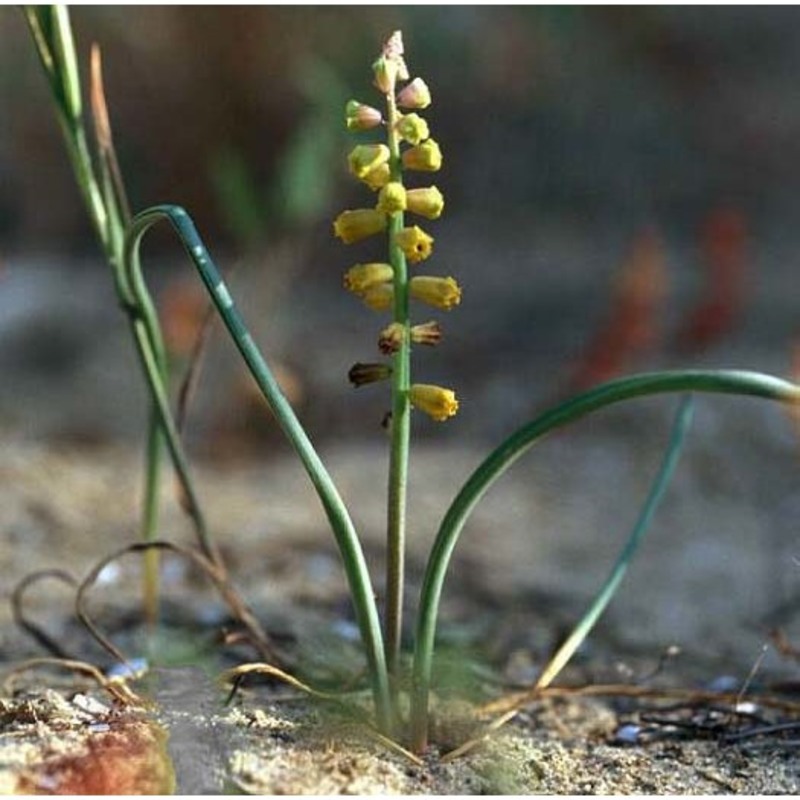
<point x="385" y="75"/>
<point x="390" y="66"/>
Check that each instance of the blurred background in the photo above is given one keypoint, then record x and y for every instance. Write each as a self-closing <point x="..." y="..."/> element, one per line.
<point x="621" y="194"/>
<point x="621" y="189"/>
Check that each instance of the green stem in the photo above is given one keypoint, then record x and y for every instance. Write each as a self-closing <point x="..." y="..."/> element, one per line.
<point x="149" y="521"/>
<point x="352" y="555"/>
<point x="401" y="430"/>
<point x="52" y="34"/>
<point x="147" y="337"/>
<point x="55" y="48"/>
<point x="721" y="381"/>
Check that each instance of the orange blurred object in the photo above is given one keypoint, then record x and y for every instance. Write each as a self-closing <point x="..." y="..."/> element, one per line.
<point x="183" y="305"/>
<point x="724" y="258"/>
<point x="130" y="758"/>
<point x="633" y="325"/>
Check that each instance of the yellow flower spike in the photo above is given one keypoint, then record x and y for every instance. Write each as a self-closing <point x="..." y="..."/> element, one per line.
<point x="438" y="403"/>
<point x="378" y="177"/>
<point x="391" y="338"/>
<point x="442" y="293"/>
<point x="362" y="374"/>
<point x="415" y="95"/>
<point x="428" y="202"/>
<point x="360" y="277"/>
<point x="364" y="158"/>
<point x="361" y="117"/>
<point x="425" y="157"/>
<point x="412" y="128"/>
<point x="428" y="333"/>
<point x="378" y="297"/>
<point x="392" y="198"/>
<point x="352" y="226"/>
<point x="415" y="243"/>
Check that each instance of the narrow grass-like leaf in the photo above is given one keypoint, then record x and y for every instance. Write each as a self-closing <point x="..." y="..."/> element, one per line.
<point x="38" y="19"/>
<point x="353" y="559"/>
<point x="714" y="381"/>
<point x="561" y="658"/>
<point x="64" y="48"/>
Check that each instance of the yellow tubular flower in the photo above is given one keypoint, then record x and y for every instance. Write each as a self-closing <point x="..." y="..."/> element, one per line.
<point x="425" y="157"/>
<point x="413" y="128"/>
<point x="366" y="157"/>
<point x="427" y="202"/>
<point x="378" y="297"/>
<point x="392" y="198"/>
<point x="361" y="117"/>
<point x="352" y="226"/>
<point x="415" y="243"/>
<point x="436" y="402"/>
<point x="415" y="95"/>
<point x="377" y="178"/>
<point x="360" y="277"/>
<point x="442" y="293"/>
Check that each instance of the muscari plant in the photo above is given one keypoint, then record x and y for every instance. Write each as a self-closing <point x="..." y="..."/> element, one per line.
<point x="392" y="287"/>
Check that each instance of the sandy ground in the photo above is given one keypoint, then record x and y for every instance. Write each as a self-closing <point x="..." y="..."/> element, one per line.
<point x="534" y="552"/>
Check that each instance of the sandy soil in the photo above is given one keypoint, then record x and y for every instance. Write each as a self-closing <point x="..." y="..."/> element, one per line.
<point x="505" y="608"/>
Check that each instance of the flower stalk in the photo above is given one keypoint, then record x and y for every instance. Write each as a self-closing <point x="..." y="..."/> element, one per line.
<point x="389" y="287"/>
<point x="401" y="419"/>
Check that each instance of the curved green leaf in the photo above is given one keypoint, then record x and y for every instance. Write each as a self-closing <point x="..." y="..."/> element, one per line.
<point x="716" y="381"/>
<point x="346" y="537"/>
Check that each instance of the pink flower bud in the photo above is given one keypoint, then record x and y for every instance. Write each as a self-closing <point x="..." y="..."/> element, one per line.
<point x="415" y="95"/>
<point x="360" y="117"/>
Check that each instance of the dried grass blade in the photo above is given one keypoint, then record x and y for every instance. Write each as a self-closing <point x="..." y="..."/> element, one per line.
<point x="116" y="687"/>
